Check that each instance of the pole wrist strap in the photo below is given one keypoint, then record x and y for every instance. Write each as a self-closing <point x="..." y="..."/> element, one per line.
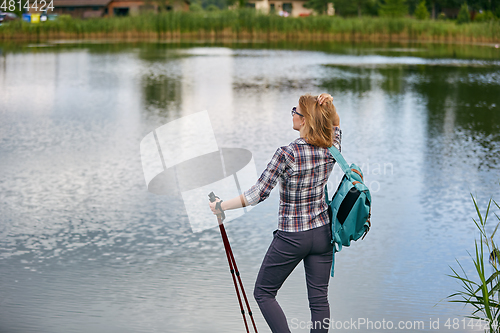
<point x="219" y="207"/>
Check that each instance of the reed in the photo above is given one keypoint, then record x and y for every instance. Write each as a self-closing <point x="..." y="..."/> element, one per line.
<point x="251" y="24"/>
<point x="483" y="291"/>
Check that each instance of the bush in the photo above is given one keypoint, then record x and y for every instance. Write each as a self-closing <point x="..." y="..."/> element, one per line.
<point x="66" y="18"/>
<point x="441" y="16"/>
<point x="484" y="16"/>
<point x="212" y="8"/>
<point x="421" y="11"/>
<point x="195" y="7"/>
<point x="393" y="8"/>
<point x="463" y="14"/>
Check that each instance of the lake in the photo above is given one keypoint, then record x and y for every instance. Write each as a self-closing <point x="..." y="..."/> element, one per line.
<point x="84" y="247"/>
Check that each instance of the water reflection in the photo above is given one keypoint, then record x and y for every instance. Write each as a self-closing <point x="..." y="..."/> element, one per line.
<point x="162" y="93"/>
<point x="463" y="97"/>
<point x="472" y="92"/>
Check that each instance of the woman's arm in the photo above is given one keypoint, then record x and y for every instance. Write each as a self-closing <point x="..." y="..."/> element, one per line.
<point x="234" y="203"/>
<point x="266" y="182"/>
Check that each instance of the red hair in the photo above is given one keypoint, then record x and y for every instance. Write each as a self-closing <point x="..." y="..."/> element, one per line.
<point x="319" y="121"/>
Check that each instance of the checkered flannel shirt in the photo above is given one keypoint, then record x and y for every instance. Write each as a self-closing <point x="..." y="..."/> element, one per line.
<point x="302" y="170"/>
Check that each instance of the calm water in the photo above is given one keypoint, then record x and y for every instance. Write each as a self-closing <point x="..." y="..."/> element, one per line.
<point x="85" y="248"/>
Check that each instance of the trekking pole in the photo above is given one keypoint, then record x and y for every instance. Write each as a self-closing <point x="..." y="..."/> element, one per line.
<point x="233" y="268"/>
<point x="239" y="279"/>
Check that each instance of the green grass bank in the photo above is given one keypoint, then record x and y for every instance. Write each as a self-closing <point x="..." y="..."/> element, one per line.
<point x="250" y="25"/>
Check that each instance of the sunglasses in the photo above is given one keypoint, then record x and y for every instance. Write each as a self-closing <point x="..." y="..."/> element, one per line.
<point x="294" y="111"/>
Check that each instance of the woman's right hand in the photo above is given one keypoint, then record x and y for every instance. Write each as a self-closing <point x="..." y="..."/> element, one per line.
<point x="322" y="98"/>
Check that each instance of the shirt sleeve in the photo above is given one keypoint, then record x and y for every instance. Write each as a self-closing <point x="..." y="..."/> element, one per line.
<point x="337" y="137"/>
<point x="279" y="166"/>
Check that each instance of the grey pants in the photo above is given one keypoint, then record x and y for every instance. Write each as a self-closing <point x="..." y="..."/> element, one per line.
<point x="285" y="252"/>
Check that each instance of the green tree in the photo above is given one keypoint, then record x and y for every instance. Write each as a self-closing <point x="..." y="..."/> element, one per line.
<point x="421" y="11"/>
<point x="356" y="7"/>
<point x="412" y="6"/>
<point x="359" y="6"/>
<point x="393" y="8"/>
<point x="319" y="6"/>
<point x="463" y="14"/>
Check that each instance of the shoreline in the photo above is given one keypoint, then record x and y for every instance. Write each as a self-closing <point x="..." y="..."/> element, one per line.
<point x="393" y="48"/>
<point x="134" y="40"/>
<point x="248" y="25"/>
<point x="246" y="37"/>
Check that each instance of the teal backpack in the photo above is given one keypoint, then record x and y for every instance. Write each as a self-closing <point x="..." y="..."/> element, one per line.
<point x="350" y="207"/>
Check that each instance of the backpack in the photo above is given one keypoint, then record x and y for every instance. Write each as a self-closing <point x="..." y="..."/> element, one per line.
<point x="350" y="207"/>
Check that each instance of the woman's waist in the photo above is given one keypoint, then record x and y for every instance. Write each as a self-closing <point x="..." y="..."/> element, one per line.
<point x="302" y="210"/>
<point x="294" y="223"/>
<point x="304" y="202"/>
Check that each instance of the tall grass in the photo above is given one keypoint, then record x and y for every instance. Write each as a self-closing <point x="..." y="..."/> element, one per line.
<point x="482" y="291"/>
<point x="251" y="24"/>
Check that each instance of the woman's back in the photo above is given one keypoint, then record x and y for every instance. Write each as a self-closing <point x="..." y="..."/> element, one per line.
<point x="302" y="201"/>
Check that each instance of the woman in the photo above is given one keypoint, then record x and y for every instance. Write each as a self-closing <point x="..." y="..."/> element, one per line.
<point x="303" y="233"/>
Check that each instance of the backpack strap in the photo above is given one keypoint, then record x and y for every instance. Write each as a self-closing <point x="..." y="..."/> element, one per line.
<point x="332" y="272"/>
<point x="336" y="241"/>
<point x="337" y="246"/>
<point x="340" y="159"/>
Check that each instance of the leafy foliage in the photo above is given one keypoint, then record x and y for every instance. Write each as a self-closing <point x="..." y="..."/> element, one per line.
<point x="356" y="7"/>
<point x="212" y="8"/>
<point x="421" y="12"/>
<point x="485" y="16"/>
<point x="463" y="14"/>
<point x="393" y="8"/>
<point x="195" y="7"/>
<point x="319" y="6"/>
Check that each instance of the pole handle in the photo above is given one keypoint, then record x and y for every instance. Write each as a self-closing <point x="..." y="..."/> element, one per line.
<point x="212" y="197"/>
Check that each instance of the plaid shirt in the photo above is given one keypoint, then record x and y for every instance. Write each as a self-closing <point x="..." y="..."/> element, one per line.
<point x="302" y="170"/>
